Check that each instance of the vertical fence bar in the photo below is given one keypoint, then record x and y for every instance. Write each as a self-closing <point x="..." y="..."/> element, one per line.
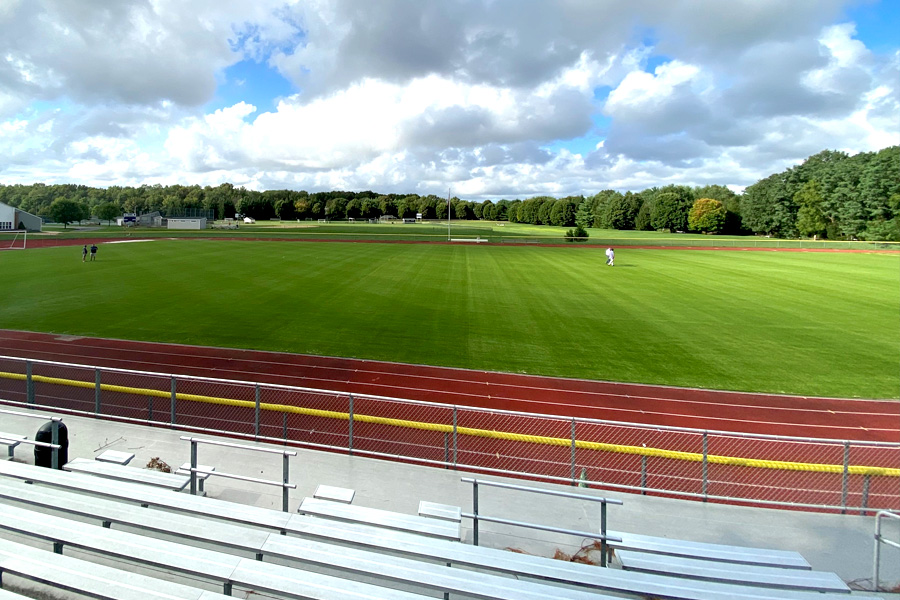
<point x="705" y="465"/>
<point x="644" y="475"/>
<point x="256" y="414"/>
<point x="284" y="426"/>
<point x="97" y="392"/>
<point x="603" y="544"/>
<point x="446" y="450"/>
<point x="172" y="403"/>
<point x="455" y="446"/>
<point x="193" y="467"/>
<point x="845" y="477"/>
<point x="572" y="457"/>
<point x="350" y="434"/>
<point x="285" y="479"/>
<point x="475" y="512"/>
<point x="149" y="408"/>
<point x="29" y="384"/>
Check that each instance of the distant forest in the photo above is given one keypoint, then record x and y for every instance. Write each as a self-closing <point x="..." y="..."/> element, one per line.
<point x="831" y="195"/>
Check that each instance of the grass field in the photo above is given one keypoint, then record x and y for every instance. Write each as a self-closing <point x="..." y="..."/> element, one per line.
<point x="802" y="323"/>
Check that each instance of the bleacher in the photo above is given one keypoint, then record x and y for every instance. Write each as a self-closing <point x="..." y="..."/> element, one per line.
<point x="166" y="544"/>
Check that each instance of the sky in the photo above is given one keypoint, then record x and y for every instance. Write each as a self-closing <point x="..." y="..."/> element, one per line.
<point x="486" y="99"/>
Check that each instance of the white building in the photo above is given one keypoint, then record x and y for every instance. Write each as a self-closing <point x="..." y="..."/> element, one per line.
<point x="187" y="222"/>
<point x="11" y="218"/>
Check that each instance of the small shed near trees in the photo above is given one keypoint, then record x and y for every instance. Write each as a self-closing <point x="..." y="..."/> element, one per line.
<point x="186" y="222"/>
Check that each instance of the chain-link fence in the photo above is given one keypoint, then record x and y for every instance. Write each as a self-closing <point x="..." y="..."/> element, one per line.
<point x="836" y="475"/>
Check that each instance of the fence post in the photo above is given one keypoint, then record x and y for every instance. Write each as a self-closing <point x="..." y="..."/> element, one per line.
<point x="865" y="494"/>
<point x="705" y="465"/>
<point x="572" y="457"/>
<point x="256" y="414"/>
<point x="350" y="438"/>
<point x="454" y="439"/>
<point x="29" y="384"/>
<point x="172" y="404"/>
<point x="97" y="392"/>
<point x="193" y="467"/>
<point x="285" y="480"/>
<point x="149" y="408"/>
<point x="475" y="512"/>
<point x="643" y="475"/>
<point x="845" y="477"/>
<point x="446" y="450"/>
<point x="284" y="426"/>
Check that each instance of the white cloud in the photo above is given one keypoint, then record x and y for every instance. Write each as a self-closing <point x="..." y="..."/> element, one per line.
<point x="401" y="96"/>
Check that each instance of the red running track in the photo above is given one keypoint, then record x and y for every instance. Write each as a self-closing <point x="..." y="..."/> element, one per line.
<point x="829" y="418"/>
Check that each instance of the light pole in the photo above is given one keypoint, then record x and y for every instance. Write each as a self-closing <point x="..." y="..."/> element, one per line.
<point x="448" y="214"/>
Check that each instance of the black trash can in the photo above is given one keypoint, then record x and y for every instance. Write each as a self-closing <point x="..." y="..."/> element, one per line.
<point x="43" y="457"/>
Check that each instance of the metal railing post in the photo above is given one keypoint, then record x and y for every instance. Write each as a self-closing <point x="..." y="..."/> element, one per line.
<point x="149" y="408"/>
<point x="29" y="384"/>
<point x="475" y="512"/>
<point x="285" y="480"/>
<point x="193" y="467"/>
<point x="845" y="477"/>
<point x="603" y="545"/>
<point x="572" y="453"/>
<point x="876" y="571"/>
<point x="256" y="414"/>
<point x="446" y="450"/>
<point x="54" y="439"/>
<point x="455" y="445"/>
<point x="97" y="392"/>
<point x="172" y="403"/>
<point x="865" y="494"/>
<point x="350" y="438"/>
<point x="705" y="465"/>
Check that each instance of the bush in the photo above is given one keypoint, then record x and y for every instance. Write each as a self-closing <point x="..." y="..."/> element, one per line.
<point x="579" y="234"/>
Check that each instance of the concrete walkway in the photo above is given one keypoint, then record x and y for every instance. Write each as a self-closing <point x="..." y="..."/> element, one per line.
<point x="842" y="544"/>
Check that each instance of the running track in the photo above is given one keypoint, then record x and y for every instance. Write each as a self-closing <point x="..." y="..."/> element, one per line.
<point x="831" y="418"/>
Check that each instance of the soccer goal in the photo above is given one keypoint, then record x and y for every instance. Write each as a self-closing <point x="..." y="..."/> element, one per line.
<point x="13" y="239"/>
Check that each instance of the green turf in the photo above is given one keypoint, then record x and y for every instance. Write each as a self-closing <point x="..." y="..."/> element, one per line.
<point x="820" y="324"/>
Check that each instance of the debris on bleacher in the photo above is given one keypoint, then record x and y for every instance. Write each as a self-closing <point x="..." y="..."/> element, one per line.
<point x="159" y="465"/>
<point x="589" y="554"/>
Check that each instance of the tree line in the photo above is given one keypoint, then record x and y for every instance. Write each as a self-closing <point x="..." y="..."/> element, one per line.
<point x="830" y="195"/>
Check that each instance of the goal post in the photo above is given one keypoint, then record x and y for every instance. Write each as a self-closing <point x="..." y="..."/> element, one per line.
<point x="13" y="239"/>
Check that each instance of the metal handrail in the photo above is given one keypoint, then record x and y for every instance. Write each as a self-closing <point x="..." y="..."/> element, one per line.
<point x="475" y="516"/>
<point x="285" y="454"/>
<point x="55" y="448"/>
<point x="29" y="415"/>
<point x="879" y="539"/>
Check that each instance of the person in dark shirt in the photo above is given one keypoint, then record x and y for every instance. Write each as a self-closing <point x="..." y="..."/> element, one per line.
<point x="93" y="251"/>
<point x="84" y="253"/>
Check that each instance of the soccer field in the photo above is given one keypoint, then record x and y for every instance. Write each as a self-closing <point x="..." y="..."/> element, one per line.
<point x="820" y="324"/>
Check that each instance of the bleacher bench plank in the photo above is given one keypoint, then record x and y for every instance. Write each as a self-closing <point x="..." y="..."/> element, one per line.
<point x="335" y="494"/>
<point x="171" y="481"/>
<point x="91" y="579"/>
<point x="115" y="456"/>
<point x="380" y="518"/>
<point x="7" y="595"/>
<point x="445" y="512"/>
<point x="233" y="570"/>
<point x="783" y="559"/>
<point x="693" y="568"/>
<point x="406" y="544"/>
<point x="197" y="562"/>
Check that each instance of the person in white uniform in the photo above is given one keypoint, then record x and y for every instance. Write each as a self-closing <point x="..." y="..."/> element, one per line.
<point x="610" y="256"/>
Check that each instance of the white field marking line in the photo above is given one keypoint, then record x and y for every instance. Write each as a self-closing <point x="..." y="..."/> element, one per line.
<point x="623" y="410"/>
<point x="126" y="241"/>
<point x="474" y="395"/>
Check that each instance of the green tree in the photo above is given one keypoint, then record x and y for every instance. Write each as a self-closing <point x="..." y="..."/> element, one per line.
<point x="107" y="212"/>
<point x="810" y="220"/>
<point x="668" y="212"/>
<point x="707" y="216"/>
<point x="642" y="219"/>
<point x="65" y="211"/>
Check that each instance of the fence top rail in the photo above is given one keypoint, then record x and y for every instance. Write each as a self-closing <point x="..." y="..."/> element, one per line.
<point x="737" y="434"/>
<point x="193" y="440"/>
<point x="29" y="415"/>
<point x="523" y="488"/>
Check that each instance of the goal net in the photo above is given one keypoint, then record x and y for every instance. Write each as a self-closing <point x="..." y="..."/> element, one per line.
<point x="13" y="239"/>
